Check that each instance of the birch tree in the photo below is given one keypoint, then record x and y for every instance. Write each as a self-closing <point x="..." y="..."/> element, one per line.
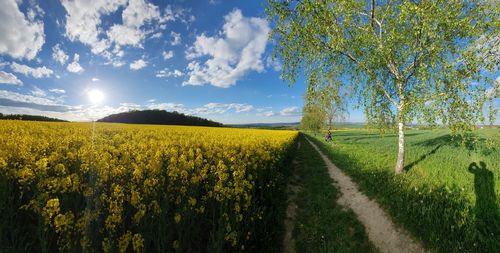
<point x="406" y="60"/>
<point x="328" y="94"/>
<point x="313" y="117"/>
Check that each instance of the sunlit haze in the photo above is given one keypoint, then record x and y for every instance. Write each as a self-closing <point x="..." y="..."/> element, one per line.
<point x="95" y="96"/>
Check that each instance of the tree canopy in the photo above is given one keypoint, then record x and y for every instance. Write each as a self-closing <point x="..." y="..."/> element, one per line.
<point x="313" y="117"/>
<point x="429" y="61"/>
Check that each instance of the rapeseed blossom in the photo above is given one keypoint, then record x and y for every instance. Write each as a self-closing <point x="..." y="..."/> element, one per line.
<point x="116" y="190"/>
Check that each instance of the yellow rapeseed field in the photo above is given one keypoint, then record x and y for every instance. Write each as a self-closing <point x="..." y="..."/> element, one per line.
<point x="141" y="188"/>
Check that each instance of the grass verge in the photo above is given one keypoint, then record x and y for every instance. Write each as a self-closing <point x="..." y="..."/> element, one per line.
<point x="449" y="197"/>
<point x="321" y="224"/>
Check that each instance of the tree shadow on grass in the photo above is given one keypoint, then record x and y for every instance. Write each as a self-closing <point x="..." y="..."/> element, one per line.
<point x="438" y="142"/>
<point x="422" y="157"/>
<point x="358" y="137"/>
<point x="445" y="139"/>
<point x="469" y="141"/>
<point x="486" y="209"/>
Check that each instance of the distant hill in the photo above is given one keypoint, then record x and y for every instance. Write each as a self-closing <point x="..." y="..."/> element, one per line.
<point x="29" y="117"/>
<point x="158" y="117"/>
<point x="296" y="125"/>
<point x="292" y="125"/>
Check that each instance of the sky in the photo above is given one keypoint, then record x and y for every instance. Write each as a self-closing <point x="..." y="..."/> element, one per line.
<point x="209" y="58"/>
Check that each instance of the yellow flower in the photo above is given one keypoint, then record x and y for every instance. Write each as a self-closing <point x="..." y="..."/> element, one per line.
<point x="177" y="218"/>
<point x="51" y="209"/>
<point x="137" y="242"/>
<point x="192" y="201"/>
<point x="124" y="241"/>
<point x="106" y="245"/>
<point x="63" y="221"/>
<point x="128" y="174"/>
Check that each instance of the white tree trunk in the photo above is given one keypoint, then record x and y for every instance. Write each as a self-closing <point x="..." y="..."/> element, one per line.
<point x="401" y="148"/>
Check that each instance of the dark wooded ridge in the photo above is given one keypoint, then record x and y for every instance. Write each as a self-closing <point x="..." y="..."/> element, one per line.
<point x="29" y="117"/>
<point x="158" y="117"/>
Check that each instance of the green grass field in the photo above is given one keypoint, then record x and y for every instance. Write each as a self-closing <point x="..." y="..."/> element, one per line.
<point x="450" y="195"/>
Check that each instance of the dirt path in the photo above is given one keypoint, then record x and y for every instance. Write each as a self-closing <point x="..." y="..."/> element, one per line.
<point x="379" y="226"/>
<point x="291" y="212"/>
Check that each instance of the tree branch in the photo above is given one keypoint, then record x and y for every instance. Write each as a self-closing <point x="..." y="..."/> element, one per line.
<point x="372" y="15"/>
<point x="393" y="69"/>
<point x="352" y="58"/>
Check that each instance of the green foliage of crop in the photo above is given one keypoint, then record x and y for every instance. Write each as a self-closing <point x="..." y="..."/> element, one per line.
<point x="450" y="195"/>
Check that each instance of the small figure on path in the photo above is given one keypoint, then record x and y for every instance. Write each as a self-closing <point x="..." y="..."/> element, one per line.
<point x="328" y="136"/>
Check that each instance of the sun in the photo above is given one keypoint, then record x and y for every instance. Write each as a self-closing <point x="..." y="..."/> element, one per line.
<point x="95" y="96"/>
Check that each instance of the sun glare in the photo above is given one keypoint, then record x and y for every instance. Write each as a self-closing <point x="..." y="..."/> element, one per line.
<point x="95" y="96"/>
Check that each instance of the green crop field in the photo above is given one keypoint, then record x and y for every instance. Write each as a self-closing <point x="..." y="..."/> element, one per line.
<point x="449" y="197"/>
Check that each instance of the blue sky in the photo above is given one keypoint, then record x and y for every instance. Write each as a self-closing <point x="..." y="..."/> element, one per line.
<point x="207" y="58"/>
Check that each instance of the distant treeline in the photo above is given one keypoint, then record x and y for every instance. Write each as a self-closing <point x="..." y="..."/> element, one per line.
<point x="158" y="117"/>
<point x="29" y="117"/>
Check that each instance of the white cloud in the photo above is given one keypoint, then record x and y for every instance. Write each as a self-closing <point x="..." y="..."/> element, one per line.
<point x="116" y="63"/>
<point x="167" y="107"/>
<point x="207" y="109"/>
<point x="13" y="102"/>
<point x="138" y="64"/>
<point x="176" y="38"/>
<point x="130" y="106"/>
<point x="95" y="79"/>
<point x="232" y="55"/>
<point x="118" y="53"/>
<point x="221" y="108"/>
<point x="30" y="111"/>
<point x="9" y="98"/>
<point x="290" y="111"/>
<point x="29" y="71"/>
<point x="167" y="73"/>
<point x="59" y="55"/>
<point x="243" y="108"/>
<point x="58" y="91"/>
<point x="136" y="15"/>
<point x="75" y="67"/>
<point x="139" y="19"/>
<point x="83" y="19"/>
<point x="20" y="37"/>
<point x="8" y="78"/>
<point x="139" y="12"/>
<point x="156" y="35"/>
<point x="266" y="114"/>
<point x="125" y="35"/>
<point x="177" y="13"/>
<point x="37" y="92"/>
<point x="34" y="12"/>
<point x="274" y="64"/>
<point x="167" y="54"/>
<point x="40" y="104"/>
